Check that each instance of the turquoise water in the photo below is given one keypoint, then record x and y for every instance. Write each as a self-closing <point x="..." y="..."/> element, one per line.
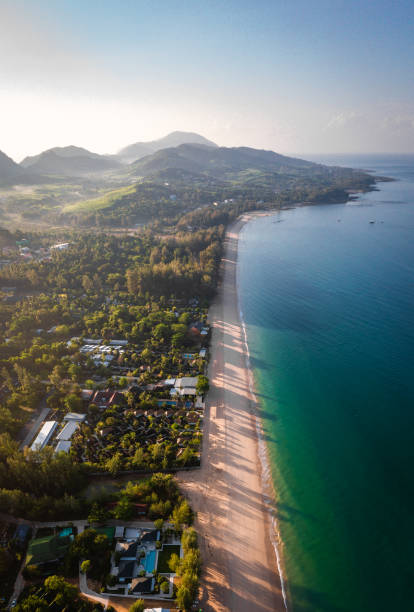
<point x="149" y="563"/>
<point x="328" y="298"/>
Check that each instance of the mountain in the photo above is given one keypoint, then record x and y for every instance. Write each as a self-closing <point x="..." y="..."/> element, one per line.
<point x="68" y="161"/>
<point x="140" y="149"/>
<point x="236" y="163"/>
<point x="9" y="170"/>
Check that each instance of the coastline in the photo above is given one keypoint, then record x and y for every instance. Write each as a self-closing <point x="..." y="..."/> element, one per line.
<point x="268" y="485"/>
<point x="241" y="563"/>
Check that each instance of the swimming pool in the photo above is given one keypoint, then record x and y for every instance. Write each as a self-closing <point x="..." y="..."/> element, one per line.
<point x="166" y="402"/>
<point x="66" y="532"/>
<point x="149" y="562"/>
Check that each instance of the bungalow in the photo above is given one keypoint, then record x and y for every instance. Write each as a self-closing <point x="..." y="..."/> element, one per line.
<point x="128" y="550"/>
<point x="127" y="570"/>
<point x="150" y="536"/>
<point x="185" y="386"/>
<point x="142" y="586"/>
<point x="86" y="395"/>
<point x="107" y="398"/>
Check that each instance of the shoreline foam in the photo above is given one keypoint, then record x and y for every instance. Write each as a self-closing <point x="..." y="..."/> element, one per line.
<point x="241" y="565"/>
<point x="266" y="470"/>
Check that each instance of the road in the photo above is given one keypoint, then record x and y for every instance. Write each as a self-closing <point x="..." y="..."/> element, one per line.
<point x="35" y="426"/>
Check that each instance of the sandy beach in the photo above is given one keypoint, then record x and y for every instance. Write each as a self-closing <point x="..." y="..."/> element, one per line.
<point x="239" y="563"/>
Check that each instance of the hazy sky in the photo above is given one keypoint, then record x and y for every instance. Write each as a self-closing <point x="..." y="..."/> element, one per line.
<point x="294" y="76"/>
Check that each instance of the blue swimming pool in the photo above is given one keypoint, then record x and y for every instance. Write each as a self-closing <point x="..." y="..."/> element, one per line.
<point x="149" y="562"/>
<point x="166" y="402"/>
<point x="66" y="532"/>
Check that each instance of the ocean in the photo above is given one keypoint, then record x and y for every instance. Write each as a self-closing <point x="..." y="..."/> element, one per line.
<point x="327" y="296"/>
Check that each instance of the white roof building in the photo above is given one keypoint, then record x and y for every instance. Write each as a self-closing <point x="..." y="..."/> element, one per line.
<point x="61" y="246"/>
<point x="170" y="382"/>
<point x="63" y="445"/>
<point x="185" y="386"/>
<point x="44" y="435"/>
<point x="186" y="382"/>
<point x="68" y="430"/>
<point x="74" y="416"/>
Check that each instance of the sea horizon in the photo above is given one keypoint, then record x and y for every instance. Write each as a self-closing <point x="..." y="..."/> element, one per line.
<point x="325" y="292"/>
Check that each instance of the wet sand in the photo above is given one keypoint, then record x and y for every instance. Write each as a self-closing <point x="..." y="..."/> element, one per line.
<point x="239" y="563"/>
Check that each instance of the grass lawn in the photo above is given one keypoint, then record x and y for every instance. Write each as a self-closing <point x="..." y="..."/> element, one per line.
<point x="164" y="556"/>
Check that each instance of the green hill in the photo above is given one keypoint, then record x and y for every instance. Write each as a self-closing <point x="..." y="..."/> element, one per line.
<point x="9" y="170"/>
<point x="68" y="161"/>
<point x="229" y="164"/>
<point x="138" y="150"/>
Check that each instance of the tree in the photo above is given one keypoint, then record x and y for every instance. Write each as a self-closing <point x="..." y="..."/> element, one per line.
<point x="139" y="457"/>
<point x="187" y="456"/>
<point x="159" y="524"/>
<point x="97" y="514"/>
<point x="114" y="464"/>
<point x="174" y="562"/>
<point x="124" y="509"/>
<point x="65" y="592"/>
<point x="132" y="279"/>
<point x="87" y="283"/>
<point x="189" y="539"/>
<point x="138" y="606"/>
<point x="32" y="602"/>
<point x="182" y="515"/>
<point x="86" y="566"/>
<point x="160" y="331"/>
<point x="165" y="586"/>
<point x="73" y="403"/>
<point x="202" y="385"/>
<point x="184" y="599"/>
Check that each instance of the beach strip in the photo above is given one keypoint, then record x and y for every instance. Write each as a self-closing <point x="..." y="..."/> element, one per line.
<point x="240" y="572"/>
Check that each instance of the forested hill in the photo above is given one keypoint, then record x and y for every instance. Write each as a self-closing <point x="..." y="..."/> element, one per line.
<point x="236" y="163"/>
<point x="68" y="161"/>
<point x="9" y="170"/>
<point x="137" y="150"/>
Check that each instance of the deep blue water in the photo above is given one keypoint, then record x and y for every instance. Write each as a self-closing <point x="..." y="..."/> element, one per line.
<point x="328" y="300"/>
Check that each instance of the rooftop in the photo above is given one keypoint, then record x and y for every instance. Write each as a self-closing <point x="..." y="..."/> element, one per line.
<point x="44" y="435"/>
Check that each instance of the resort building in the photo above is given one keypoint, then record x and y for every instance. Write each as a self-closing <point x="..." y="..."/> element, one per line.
<point x="44" y="435"/>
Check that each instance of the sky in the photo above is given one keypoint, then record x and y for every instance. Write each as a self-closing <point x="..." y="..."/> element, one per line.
<point x="294" y="76"/>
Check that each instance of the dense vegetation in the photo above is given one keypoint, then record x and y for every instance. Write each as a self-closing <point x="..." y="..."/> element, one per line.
<point x="55" y="593"/>
<point x="146" y="290"/>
